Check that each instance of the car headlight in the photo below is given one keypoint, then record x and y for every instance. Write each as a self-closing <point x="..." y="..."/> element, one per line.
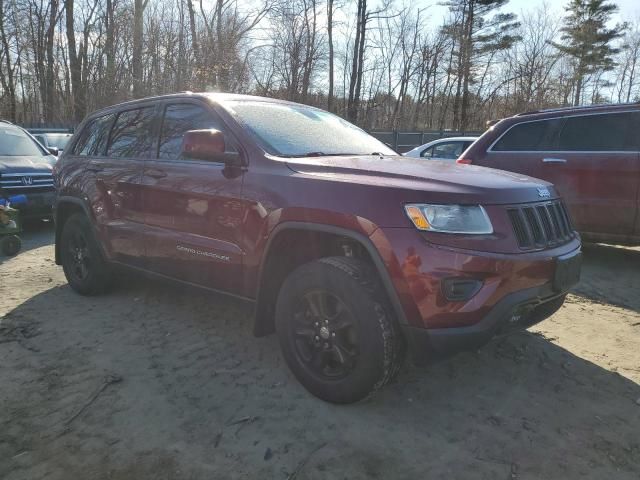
<point x="466" y="219"/>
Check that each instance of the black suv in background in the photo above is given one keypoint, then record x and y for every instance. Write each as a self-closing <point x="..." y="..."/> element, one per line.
<point x="25" y="168"/>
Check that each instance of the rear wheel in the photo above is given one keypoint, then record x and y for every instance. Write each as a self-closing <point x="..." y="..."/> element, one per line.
<point x="336" y="329"/>
<point x="84" y="266"/>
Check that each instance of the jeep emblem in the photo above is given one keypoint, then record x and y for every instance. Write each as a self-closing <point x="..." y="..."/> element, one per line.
<point x="544" y="193"/>
<point x="26" y="181"/>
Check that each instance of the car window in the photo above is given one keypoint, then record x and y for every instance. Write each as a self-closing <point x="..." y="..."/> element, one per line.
<point x="93" y="138"/>
<point x="42" y="139"/>
<point x="427" y="152"/>
<point x="132" y="135"/>
<point x="178" y="119"/>
<point x="608" y="132"/>
<point x="15" y="142"/>
<point x="447" y="150"/>
<point x="57" y="140"/>
<point x="530" y="136"/>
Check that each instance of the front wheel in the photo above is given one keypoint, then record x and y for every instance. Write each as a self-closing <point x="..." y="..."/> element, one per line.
<point x="84" y="266"/>
<point x="336" y="329"/>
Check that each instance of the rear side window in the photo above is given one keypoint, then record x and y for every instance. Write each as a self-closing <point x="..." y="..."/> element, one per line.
<point x="596" y="133"/>
<point x="132" y="134"/>
<point x="530" y="136"/>
<point x="94" y="136"/>
<point x="178" y="119"/>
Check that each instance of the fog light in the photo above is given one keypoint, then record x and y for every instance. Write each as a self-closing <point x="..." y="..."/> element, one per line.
<point x="460" y="289"/>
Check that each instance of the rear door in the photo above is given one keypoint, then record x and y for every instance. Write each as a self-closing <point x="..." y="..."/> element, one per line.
<point x="193" y="209"/>
<point x="116" y="145"/>
<point x="598" y="170"/>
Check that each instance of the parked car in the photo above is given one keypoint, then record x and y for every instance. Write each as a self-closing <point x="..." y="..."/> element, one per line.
<point x="53" y="140"/>
<point x="591" y="154"/>
<point x="25" y="168"/>
<point x="349" y="252"/>
<point x="442" y="149"/>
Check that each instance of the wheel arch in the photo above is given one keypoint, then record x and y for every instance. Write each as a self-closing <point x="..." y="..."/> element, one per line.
<point x="267" y="293"/>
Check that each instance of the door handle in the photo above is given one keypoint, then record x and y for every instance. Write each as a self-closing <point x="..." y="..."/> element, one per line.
<point x="94" y="168"/>
<point x="155" y="173"/>
<point x="554" y="160"/>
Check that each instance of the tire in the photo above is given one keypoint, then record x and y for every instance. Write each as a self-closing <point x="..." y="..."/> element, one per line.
<point x="336" y="329"/>
<point x="10" y="245"/>
<point x="84" y="266"/>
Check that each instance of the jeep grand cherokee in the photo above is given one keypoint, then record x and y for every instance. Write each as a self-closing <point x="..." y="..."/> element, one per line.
<point x="350" y="252"/>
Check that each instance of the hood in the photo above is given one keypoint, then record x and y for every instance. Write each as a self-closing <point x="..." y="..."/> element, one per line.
<point x="441" y="180"/>
<point x="26" y="164"/>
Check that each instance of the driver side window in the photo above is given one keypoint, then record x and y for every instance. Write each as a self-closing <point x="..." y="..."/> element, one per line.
<point x="179" y="118"/>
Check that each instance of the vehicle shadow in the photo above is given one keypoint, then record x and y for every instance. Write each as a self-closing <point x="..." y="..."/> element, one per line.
<point x="198" y="394"/>
<point x="611" y="274"/>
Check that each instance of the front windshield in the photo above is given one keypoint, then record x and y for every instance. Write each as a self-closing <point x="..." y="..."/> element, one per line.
<point x="14" y="142"/>
<point x="290" y="130"/>
<point x="59" y="140"/>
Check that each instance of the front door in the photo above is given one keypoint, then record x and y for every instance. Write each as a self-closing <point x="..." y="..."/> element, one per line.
<point x="193" y="208"/>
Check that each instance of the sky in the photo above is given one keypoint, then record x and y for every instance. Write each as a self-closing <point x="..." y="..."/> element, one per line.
<point x="627" y="9"/>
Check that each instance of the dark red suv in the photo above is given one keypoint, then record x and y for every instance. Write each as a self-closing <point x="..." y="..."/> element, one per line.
<point x="350" y="252"/>
<point x="591" y="154"/>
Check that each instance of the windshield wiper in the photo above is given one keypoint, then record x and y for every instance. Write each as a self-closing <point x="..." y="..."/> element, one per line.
<point x="318" y="154"/>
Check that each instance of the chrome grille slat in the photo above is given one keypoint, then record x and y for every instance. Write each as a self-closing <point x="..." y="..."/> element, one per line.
<point x="541" y="225"/>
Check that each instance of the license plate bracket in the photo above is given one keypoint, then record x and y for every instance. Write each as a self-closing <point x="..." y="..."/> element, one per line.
<point x="567" y="271"/>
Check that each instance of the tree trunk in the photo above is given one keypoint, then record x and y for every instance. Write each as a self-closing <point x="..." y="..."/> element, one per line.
<point x="194" y="43"/>
<point x="49" y="100"/>
<point x="77" y="90"/>
<point x="330" y="39"/>
<point x="468" y="40"/>
<point x="136" y="59"/>
<point x="9" y="83"/>
<point x="356" y="67"/>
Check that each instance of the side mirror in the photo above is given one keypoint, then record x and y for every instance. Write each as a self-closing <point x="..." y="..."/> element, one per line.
<point x="207" y="145"/>
<point x="53" y="151"/>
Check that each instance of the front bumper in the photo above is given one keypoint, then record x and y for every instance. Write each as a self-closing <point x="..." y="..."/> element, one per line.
<point x="518" y="310"/>
<point x="517" y="290"/>
<point x="39" y="205"/>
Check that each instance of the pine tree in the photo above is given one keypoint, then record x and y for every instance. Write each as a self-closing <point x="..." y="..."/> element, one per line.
<point x="478" y="30"/>
<point x="587" y="40"/>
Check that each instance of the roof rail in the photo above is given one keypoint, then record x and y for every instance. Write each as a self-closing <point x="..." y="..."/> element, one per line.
<point x="580" y="107"/>
<point x="5" y="121"/>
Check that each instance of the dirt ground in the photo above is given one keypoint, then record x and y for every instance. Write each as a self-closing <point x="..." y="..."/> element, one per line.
<point x="158" y="382"/>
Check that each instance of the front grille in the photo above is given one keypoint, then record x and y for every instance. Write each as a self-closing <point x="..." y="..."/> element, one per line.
<point x="28" y="182"/>
<point x="541" y="225"/>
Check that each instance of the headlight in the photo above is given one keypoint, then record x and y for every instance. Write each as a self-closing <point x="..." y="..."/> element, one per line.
<point x="467" y="219"/>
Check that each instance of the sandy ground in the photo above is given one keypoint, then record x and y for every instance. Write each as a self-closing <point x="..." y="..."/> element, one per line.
<point x="158" y="382"/>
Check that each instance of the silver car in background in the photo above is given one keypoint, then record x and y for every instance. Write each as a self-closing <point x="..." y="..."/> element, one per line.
<point x="448" y="148"/>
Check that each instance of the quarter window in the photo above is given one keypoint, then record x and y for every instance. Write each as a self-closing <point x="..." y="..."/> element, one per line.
<point x="530" y="136"/>
<point x="132" y="135"/>
<point x="178" y="119"/>
<point x="595" y="133"/>
<point x="93" y="138"/>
